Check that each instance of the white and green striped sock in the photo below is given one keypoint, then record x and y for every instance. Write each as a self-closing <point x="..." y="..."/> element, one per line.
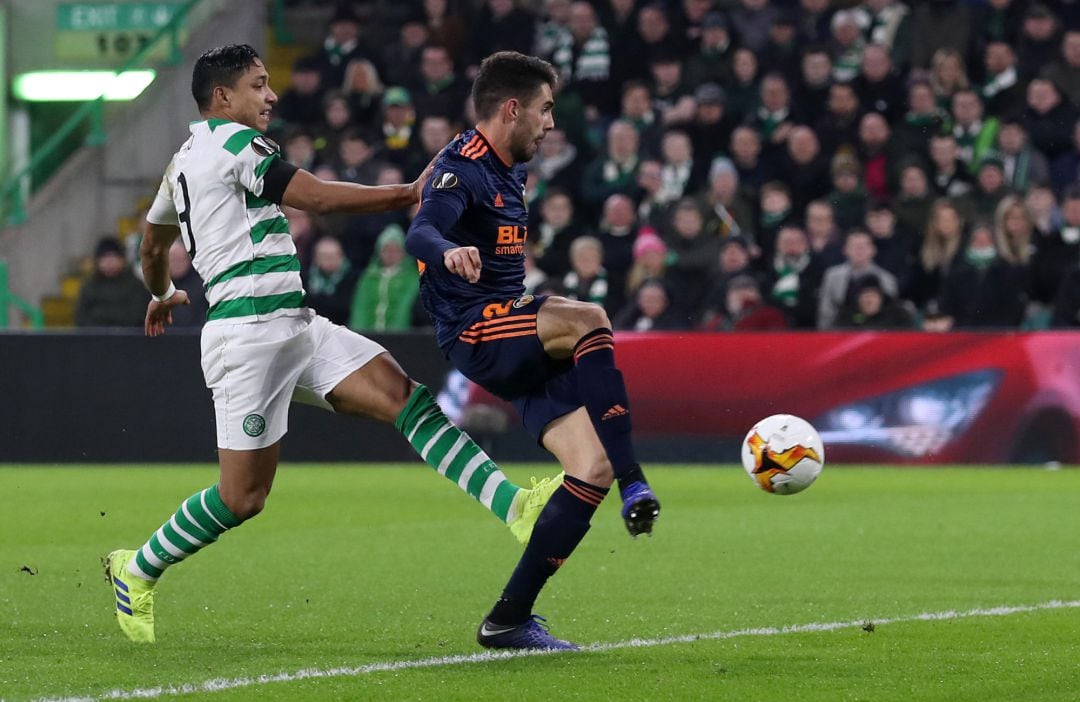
<point x="201" y="519"/>
<point x="452" y="453"/>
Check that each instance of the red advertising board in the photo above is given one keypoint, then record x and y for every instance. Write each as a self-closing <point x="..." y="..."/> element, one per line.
<point x="884" y="397"/>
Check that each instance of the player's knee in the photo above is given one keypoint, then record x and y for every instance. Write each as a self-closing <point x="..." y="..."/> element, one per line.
<point x="599" y="473"/>
<point x="247" y="504"/>
<point x="592" y="317"/>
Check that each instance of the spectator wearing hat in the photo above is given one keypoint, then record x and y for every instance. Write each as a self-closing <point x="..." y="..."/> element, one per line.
<point x="711" y="129"/>
<point x="711" y="63"/>
<point x="1065" y="72"/>
<point x="982" y="290"/>
<point x="727" y="213"/>
<point x="387" y="289"/>
<point x="940" y="24"/>
<point x="1048" y="119"/>
<point x="500" y="25"/>
<point x="438" y="90"/>
<point x="341" y="45"/>
<point x="794" y="278"/>
<point x="836" y="284"/>
<point x="815" y="77"/>
<point x="302" y="102"/>
<point x="752" y="20"/>
<point x="1001" y="90"/>
<point x="113" y="296"/>
<point x="650" y="260"/>
<point x="398" y="120"/>
<point x="583" y="59"/>
<point x="650" y="310"/>
<point x="870" y="306"/>
<point x="878" y="86"/>
<point x="744" y="309"/>
<point x="1040" y="40"/>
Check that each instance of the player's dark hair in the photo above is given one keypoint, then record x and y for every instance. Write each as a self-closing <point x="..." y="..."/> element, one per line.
<point x="508" y="74"/>
<point x="220" y="66"/>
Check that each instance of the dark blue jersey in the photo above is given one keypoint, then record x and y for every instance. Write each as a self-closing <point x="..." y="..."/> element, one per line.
<point x="472" y="199"/>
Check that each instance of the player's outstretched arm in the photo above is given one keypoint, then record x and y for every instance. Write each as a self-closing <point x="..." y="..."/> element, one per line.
<point x="306" y="192"/>
<point x="154" y="252"/>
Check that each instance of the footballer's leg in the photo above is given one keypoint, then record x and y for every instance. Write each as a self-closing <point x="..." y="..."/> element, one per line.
<point x="380" y="389"/>
<point x="562" y="525"/>
<point x="583" y="331"/>
<point x="245" y="481"/>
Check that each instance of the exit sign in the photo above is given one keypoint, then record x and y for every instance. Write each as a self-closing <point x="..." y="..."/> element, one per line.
<point x="107" y="32"/>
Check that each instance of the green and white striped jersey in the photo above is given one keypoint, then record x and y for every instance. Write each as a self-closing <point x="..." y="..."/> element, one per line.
<point x="238" y="241"/>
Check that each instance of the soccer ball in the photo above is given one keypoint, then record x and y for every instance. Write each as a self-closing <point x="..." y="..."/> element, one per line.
<point x="783" y="454"/>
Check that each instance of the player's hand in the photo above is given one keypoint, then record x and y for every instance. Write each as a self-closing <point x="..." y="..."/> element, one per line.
<point x="420" y="182"/>
<point x="464" y="261"/>
<point x="158" y="314"/>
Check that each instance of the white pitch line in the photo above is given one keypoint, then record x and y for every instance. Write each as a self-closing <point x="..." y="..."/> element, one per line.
<point x="221" y="684"/>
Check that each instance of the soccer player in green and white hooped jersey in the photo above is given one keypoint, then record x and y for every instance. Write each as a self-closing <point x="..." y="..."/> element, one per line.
<point x="261" y="347"/>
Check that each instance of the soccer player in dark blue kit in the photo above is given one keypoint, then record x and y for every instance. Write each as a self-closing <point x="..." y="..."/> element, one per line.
<point x="553" y="358"/>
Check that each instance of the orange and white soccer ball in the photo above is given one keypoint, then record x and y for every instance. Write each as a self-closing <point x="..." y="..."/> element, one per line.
<point x="783" y="454"/>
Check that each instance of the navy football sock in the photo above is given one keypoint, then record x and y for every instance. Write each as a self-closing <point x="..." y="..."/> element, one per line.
<point x="559" y="529"/>
<point x="604" y="394"/>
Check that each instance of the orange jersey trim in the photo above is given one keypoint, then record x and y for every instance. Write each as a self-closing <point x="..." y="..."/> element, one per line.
<point x="508" y="164"/>
<point x="495" y="336"/>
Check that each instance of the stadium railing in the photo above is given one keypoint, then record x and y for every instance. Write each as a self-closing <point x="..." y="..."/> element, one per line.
<point x="8" y="299"/>
<point x="16" y="191"/>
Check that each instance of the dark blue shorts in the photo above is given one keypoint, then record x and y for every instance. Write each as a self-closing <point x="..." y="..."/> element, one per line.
<point x="500" y="352"/>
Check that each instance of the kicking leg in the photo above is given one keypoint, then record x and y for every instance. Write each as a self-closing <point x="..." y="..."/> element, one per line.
<point x="568" y="327"/>
<point x="245" y="481"/>
<point x="562" y="525"/>
<point x="381" y="390"/>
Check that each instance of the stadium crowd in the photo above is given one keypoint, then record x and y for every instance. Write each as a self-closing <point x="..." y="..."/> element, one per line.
<point x="745" y="164"/>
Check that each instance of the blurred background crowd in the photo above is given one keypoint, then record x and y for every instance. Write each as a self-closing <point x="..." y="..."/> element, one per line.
<point x="736" y="165"/>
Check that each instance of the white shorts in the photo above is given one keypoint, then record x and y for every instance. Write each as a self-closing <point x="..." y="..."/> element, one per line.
<point x="255" y="370"/>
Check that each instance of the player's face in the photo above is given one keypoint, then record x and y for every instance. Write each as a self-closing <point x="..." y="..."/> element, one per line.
<point x="251" y="99"/>
<point x="534" y="120"/>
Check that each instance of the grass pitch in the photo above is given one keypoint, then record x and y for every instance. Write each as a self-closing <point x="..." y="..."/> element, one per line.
<point x="365" y="569"/>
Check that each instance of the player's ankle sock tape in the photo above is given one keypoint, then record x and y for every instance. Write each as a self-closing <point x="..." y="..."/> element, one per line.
<point x="452" y="453"/>
<point x="604" y="393"/>
<point x="201" y="519"/>
<point x="559" y="529"/>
